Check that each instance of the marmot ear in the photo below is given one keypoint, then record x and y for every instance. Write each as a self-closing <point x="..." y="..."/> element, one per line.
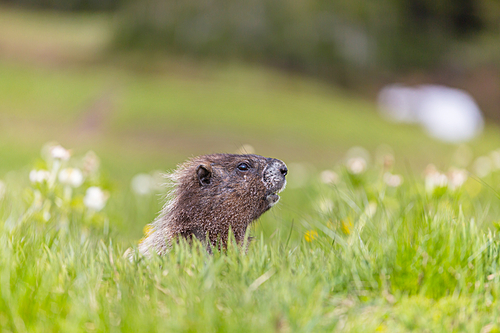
<point x="204" y="174"/>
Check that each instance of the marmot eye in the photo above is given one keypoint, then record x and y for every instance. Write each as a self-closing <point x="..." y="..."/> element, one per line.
<point x="243" y="167"/>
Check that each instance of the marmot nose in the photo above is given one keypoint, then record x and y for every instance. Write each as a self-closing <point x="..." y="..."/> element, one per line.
<point x="283" y="170"/>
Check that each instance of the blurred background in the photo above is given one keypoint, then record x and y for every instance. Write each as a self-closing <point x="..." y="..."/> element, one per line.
<point x="148" y="84"/>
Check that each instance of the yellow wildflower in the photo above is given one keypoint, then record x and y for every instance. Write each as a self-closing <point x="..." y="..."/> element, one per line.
<point x="346" y="226"/>
<point x="310" y="235"/>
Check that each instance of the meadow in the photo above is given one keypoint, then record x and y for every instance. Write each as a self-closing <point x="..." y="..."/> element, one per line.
<point x="368" y="239"/>
<point x="373" y="251"/>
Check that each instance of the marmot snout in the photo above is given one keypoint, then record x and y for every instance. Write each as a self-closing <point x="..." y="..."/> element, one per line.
<point x="214" y="193"/>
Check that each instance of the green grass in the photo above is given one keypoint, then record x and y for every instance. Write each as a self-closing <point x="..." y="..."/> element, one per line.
<point x="360" y="256"/>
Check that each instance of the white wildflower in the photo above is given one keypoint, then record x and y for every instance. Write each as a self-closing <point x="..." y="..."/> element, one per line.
<point x="71" y="176"/>
<point x="482" y="166"/>
<point x="457" y="178"/>
<point x="95" y="198"/>
<point x="39" y="176"/>
<point x="142" y="184"/>
<point x="59" y="153"/>
<point x="434" y="179"/>
<point x="393" y="180"/>
<point x="329" y="177"/>
<point x="356" y="165"/>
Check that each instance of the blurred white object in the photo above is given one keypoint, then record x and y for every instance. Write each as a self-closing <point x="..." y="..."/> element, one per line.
<point x="393" y="180"/>
<point x="434" y="179"/>
<point x="329" y="177"/>
<point x="457" y="177"/>
<point x="356" y="165"/>
<point x="58" y="152"/>
<point x="95" y="198"/>
<point x="399" y="103"/>
<point x="142" y="184"/>
<point x="71" y="176"/>
<point x="357" y="160"/>
<point x="447" y="114"/>
<point x="39" y="176"/>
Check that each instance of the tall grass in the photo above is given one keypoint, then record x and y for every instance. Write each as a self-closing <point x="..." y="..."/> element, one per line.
<point x="368" y="257"/>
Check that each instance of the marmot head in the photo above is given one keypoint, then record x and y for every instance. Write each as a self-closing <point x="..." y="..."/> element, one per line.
<point x="222" y="180"/>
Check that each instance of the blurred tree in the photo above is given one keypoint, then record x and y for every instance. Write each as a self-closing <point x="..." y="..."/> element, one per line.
<point x="341" y="40"/>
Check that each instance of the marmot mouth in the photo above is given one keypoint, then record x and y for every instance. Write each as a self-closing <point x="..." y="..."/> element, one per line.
<point x="272" y="199"/>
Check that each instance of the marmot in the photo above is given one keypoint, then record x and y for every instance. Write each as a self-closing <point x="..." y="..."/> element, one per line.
<point x="212" y="194"/>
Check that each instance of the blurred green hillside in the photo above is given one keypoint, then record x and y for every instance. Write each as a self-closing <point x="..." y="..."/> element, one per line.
<point x="61" y="81"/>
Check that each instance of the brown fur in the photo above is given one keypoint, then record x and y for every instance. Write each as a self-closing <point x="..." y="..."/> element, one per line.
<point x="211" y="195"/>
